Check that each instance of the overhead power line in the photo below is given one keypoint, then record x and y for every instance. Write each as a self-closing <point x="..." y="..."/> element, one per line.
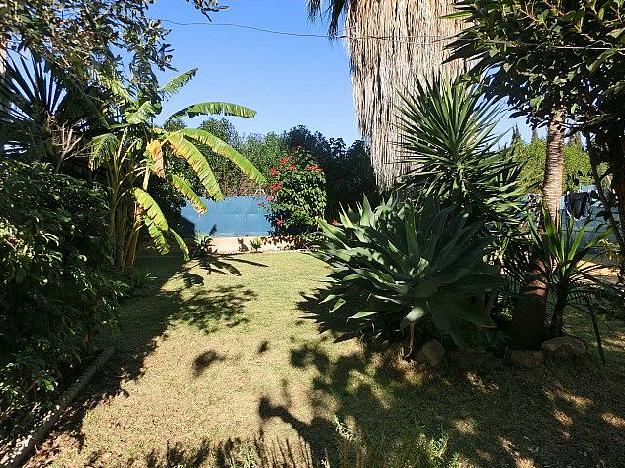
<point x="418" y="39"/>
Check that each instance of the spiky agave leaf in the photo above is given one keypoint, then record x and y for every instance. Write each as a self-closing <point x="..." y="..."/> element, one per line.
<point x="186" y="150"/>
<point x="222" y="148"/>
<point x="402" y="264"/>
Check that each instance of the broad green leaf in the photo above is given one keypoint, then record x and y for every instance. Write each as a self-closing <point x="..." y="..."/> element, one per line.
<point x="222" y="148"/>
<point x="173" y="86"/>
<point x="186" y="150"/>
<point x="215" y="108"/>
<point x="183" y="186"/>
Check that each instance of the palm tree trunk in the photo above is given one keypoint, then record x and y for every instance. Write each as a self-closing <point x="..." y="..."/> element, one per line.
<point x="554" y="165"/>
<point x="528" y="318"/>
<point x="394" y="44"/>
<point x="617" y="161"/>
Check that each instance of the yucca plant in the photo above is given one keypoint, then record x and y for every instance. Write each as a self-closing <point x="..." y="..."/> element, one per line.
<point x="568" y="264"/>
<point x="447" y="134"/>
<point x="402" y="266"/>
<point x="135" y="148"/>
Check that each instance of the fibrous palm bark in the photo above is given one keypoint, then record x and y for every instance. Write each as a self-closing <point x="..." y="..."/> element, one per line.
<point x="392" y="45"/>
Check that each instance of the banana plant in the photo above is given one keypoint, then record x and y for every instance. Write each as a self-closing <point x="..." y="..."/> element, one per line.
<point x="403" y="266"/>
<point x="134" y="149"/>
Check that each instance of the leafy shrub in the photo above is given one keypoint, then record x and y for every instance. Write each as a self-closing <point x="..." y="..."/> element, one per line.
<point x="349" y="174"/>
<point x="297" y="197"/>
<point x="402" y="265"/>
<point x="56" y="290"/>
<point x="256" y="244"/>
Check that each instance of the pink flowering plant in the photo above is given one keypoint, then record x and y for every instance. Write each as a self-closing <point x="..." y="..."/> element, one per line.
<point x="297" y="194"/>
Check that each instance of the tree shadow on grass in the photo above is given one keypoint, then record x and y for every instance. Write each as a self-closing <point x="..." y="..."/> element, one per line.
<point x="145" y="318"/>
<point x="222" y="264"/>
<point x="559" y="415"/>
<point x="256" y="452"/>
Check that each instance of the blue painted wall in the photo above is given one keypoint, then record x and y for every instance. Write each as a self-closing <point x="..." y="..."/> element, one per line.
<point x="234" y="216"/>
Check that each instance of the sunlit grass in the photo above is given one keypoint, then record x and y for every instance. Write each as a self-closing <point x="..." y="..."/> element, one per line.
<point x="214" y="353"/>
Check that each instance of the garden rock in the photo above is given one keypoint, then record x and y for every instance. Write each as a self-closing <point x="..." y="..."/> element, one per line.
<point x="564" y="347"/>
<point x="467" y="359"/>
<point x="529" y="359"/>
<point x="431" y="353"/>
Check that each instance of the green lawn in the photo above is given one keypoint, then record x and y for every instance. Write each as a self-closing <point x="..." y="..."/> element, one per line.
<point x="212" y="355"/>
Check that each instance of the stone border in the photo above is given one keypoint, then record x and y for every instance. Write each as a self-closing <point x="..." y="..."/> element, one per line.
<point x="23" y="447"/>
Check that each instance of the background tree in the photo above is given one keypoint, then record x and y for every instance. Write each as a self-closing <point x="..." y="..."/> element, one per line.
<point x="566" y="55"/>
<point x="82" y="36"/>
<point x="348" y="171"/>
<point x="393" y="45"/>
<point x="577" y="170"/>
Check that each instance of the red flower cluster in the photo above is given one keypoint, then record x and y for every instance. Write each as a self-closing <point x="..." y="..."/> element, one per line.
<point x="284" y="161"/>
<point x="271" y="198"/>
<point x="314" y="168"/>
<point x="276" y="186"/>
<point x="280" y="222"/>
<point x="273" y="171"/>
<point x="292" y="167"/>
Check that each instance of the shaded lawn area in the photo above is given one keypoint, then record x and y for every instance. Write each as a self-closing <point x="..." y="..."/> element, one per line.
<point x="215" y="353"/>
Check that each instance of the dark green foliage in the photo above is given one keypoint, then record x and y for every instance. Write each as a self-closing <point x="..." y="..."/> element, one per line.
<point x="297" y="196"/>
<point x="567" y="265"/>
<point x="86" y="36"/>
<point x="532" y="156"/>
<point x="56" y="288"/>
<point x="348" y="170"/>
<point x="44" y="114"/>
<point x="403" y="265"/>
<point x="543" y="57"/>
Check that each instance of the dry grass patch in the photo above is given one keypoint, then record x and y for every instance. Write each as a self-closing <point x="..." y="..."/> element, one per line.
<point x="216" y="355"/>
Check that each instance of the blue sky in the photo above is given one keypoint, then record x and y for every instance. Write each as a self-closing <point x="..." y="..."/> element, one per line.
<point x="287" y="80"/>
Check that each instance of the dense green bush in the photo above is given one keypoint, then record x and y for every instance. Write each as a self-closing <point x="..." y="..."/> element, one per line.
<point x="576" y="162"/>
<point x="56" y="288"/>
<point x="401" y="265"/>
<point x="297" y="196"/>
<point x="348" y="170"/>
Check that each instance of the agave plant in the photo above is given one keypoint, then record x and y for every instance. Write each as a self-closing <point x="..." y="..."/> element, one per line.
<point x="406" y="266"/>
<point x="135" y="148"/>
<point x="447" y="134"/>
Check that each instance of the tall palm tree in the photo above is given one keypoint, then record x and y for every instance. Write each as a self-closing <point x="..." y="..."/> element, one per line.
<point x="393" y="44"/>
